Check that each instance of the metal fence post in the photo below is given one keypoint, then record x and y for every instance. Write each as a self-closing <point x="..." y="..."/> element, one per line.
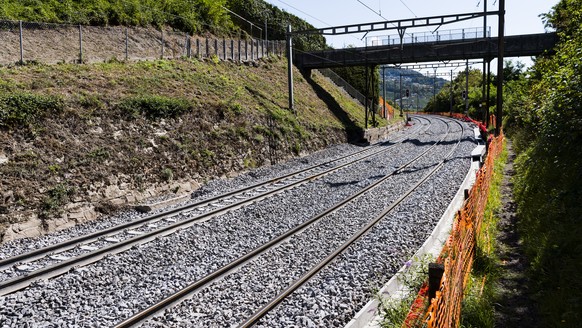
<point x="252" y="49"/>
<point x="224" y="49"/>
<point x="126" y="44"/>
<point x="232" y="49"/>
<point x="207" y="49"/>
<point x="80" y="44"/>
<point x="246" y="50"/>
<point x="198" y="48"/>
<point x="162" y="30"/>
<point x="239" y="53"/>
<point x="21" y="43"/>
<point x="189" y="47"/>
<point x="216" y="48"/>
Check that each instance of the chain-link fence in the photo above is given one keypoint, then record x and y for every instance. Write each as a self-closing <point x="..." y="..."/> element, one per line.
<point x="340" y="82"/>
<point x="54" y="43"/>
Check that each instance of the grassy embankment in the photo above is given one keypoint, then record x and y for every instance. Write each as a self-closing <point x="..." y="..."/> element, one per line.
<point x="69" y="131"/>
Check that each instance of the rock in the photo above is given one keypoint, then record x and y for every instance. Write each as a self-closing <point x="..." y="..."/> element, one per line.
<point x="3" y="159"/>
<point x="7" y="197"/>
<point x="148" y="207"/>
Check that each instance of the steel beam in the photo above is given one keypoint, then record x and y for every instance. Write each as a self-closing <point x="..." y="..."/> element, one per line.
<point x="400" y="24"/>
<point x="514" y="46"/>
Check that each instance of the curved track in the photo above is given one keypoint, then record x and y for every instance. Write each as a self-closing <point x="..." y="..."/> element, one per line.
<point x="248" y="254"/>
<point x="48" y="262"/>
<point x="239" y="262"/>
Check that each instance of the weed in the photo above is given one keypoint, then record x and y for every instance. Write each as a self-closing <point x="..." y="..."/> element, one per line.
<point x="236" y="108"/>
<point x="263" y="130"/>
<point x="23" y="109"/>
<point x="54" y="168"/>
<point x="259" y="138"/>
<point x="249" y="162"/>
<point x="99" y="153"/>
<point x="167" y="174"/>
<point x="296" y="148"/>
<point x="154" y="107"/>
<point x="207" y="153"/>
<point x="91" y="101"/>
<point x="393" y="310"/>
<point x="477" y="309"/>
<point x="55" y="198"/>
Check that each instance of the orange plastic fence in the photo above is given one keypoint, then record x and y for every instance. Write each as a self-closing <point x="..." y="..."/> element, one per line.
<point x="389" y="113"/>
<point x="457" y="254"/>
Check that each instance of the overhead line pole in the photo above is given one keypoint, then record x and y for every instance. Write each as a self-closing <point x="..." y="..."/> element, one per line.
<point x="501" y="48"/>
<point x="467" y="88"/>
<point x="484" y="81"/>
<point x="290" y="68"/>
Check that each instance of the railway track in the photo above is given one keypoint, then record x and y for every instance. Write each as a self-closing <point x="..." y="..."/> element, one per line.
<point x="271" y="304"/>
<point x="186" y="292"/>
<point x="58" y="259"/>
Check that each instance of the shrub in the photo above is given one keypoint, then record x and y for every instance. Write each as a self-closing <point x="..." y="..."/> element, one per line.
<point x="154" y="107"/>
<point x="55" y="198"/>
<point x="23" y="109"/>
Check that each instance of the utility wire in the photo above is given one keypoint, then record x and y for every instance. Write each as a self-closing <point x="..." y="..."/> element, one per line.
<point x="317" y="19"/>
<point x="408" y="8"/>
<point x="301" y="11"/>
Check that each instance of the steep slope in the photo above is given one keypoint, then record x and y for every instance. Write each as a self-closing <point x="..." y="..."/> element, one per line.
<point x="76" y="140"/>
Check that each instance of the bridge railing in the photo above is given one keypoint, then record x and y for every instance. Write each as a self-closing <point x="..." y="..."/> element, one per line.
<point x="425" y="37"/>
<point x="337" y="80"/>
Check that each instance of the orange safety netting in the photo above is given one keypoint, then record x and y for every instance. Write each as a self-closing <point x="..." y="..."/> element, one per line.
<point x="389" y="112"/>
<point x="457" y="254"/>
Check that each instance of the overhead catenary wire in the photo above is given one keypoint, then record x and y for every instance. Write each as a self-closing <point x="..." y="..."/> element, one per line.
<point x="303" y="12"/>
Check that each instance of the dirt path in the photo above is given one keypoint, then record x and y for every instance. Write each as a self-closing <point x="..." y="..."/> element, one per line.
<point x="516" y="308"/>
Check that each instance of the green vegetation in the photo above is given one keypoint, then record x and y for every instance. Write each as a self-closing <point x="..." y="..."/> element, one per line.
<point x="154" y="107"/>
<point x="54" y="199"/>
<point x="22" y="109"/>
<point x="481" y="292"/>
<point x="191" y="16"/>
<point x="544" y="117"/>
<point x="393" y="310"/>
<point x="443" y="97"/>
<point x="258" y="12"/>
<point x="154" y="122"/>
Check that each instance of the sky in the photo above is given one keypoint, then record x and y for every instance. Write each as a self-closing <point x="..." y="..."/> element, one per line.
<point x="522" y="16"/>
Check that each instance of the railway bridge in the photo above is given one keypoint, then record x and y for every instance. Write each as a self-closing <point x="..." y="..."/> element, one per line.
<point x="474" y="48"/>
<point x="486" y="48"/>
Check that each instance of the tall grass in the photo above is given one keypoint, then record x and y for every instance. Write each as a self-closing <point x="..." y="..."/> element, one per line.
<point x="477" y="308"/>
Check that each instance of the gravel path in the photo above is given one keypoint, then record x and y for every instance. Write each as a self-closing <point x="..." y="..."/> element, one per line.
<point x="112" y="289"/>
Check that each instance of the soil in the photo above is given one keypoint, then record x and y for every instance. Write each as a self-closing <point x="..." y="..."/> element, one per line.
<point x="89" y="157"/>
<point x="516" y="306"/>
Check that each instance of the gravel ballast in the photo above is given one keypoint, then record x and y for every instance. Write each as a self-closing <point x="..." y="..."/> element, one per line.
<point x="112" y="289"/>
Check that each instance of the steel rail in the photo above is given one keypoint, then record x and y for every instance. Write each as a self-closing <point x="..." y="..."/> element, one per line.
<point x="193" y="287"/>
<point x="71" y="243"/>
<point x="316" y="269"/>
<point x="50" y="271"/>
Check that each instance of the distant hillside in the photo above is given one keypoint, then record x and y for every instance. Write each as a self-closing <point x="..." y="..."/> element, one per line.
<point x="420" y="86"/>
